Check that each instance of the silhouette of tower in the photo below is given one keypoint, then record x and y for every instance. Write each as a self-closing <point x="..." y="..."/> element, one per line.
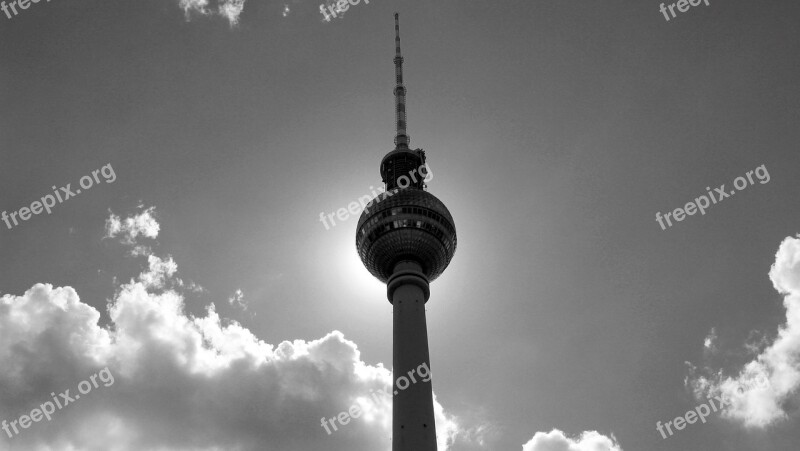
<point x="406" y="237"/>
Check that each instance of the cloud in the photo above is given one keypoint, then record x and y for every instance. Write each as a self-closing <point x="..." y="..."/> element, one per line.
<point x="127" y="231"/>
<point x="229" y="9"/>
<point x="765" y="389"/>
<point x="711" y="343"/>
<point x="182" y="382"/>
<point x="555" y="440"/>
<point x="159" y="272"/>
<point x="238" y="299"/>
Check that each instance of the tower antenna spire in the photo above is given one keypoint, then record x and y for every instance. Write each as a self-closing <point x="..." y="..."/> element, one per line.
<point x="402" y="139"/>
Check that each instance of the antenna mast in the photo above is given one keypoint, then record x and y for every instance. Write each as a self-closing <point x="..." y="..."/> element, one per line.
<point x="402" y="139"/>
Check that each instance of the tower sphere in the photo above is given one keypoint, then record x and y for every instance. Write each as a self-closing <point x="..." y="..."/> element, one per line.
<point x="406" y="224"/>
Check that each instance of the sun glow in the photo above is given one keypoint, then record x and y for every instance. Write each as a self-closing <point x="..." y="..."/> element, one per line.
<point x="354" y="271"/>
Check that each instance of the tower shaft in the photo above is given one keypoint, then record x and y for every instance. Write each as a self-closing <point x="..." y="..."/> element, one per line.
<point x="413" y="423"/>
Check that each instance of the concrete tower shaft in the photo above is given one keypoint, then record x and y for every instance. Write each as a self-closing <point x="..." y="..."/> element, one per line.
<point x="413" y="425"/>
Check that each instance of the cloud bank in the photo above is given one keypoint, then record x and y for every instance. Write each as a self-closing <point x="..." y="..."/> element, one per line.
<point x="759" y="404"/>
<point x="182" y="382"/>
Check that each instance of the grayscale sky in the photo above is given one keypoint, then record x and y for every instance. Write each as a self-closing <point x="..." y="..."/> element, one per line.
<point x="556" y="131"/>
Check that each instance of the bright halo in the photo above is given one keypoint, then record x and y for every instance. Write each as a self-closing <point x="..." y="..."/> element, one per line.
<point x="353" y="272"/>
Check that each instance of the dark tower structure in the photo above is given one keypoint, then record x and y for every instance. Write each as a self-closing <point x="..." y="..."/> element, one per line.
<point x="406" y="237"/>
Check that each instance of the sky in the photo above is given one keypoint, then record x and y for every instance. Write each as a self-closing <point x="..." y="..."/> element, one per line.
<point x="192" y="287"/>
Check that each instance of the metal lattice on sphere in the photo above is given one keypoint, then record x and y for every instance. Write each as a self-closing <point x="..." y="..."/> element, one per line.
<point x="406" y="224"/>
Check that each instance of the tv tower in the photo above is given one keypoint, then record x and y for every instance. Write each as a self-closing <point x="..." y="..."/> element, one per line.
<point x="406" y="238"/>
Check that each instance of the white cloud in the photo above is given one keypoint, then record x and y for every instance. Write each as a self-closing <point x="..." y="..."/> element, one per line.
<point x="710" y="344"/>
<point x="158" y="273"/>
<point x="129" y="229"/>
<point x="765" y="387"/>
<point x="182" y="382"/>
<point x="475" y="431"/>
<point x="229" y="9"/>
<point x="199" y="6"/>
<point x="555" y="440"/>
<point x="238" y="299"/>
